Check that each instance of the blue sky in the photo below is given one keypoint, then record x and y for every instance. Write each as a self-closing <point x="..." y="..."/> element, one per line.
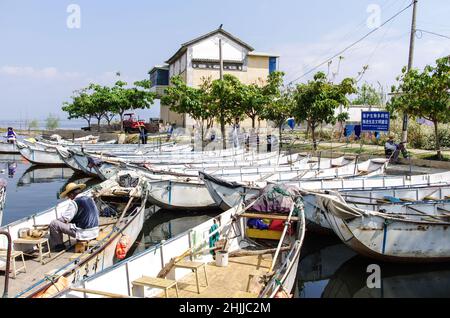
<point x="42" y="61"/>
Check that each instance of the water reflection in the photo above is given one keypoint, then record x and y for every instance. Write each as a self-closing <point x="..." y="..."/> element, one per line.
<point x="38" y="174"/>
<point x="29" y="189"/>
<point x="328" y="269"/>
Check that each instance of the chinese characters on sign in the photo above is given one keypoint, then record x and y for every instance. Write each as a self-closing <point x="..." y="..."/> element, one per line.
<point x="375" y="121"/>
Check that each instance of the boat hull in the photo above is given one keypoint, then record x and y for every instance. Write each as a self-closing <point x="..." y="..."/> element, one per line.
<point x="182" y="196"/>
<point x="8" y="148"/>
<point x="47" y="157"/>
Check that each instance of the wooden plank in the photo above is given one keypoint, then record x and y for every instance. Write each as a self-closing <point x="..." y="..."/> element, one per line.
<point x="98" y="292"/>
<point x="154" y="282"/>
<point x="30" y="241"/>
<point x="268" y="216"/>
<point x="189" y="265"/>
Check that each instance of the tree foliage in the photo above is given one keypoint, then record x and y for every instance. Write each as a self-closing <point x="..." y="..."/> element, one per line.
<point x="367" y="95"/>
<point x="104" y="101"/>
<point x="317" y="100"/>
<point x="424" y="94"/>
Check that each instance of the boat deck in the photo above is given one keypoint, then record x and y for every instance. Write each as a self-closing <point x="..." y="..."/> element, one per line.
<point x="225" y="282"/>
<point x="35" y="271"/>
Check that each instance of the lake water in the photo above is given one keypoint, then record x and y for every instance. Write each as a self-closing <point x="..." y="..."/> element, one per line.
<point x="327" y="267"/>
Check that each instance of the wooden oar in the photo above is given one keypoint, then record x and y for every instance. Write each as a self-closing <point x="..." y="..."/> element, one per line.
<point x="280" y="244"/>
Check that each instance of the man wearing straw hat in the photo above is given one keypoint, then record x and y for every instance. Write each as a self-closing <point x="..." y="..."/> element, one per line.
<point x="79" y="220"/>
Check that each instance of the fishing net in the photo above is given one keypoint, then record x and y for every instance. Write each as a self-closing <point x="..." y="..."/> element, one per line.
<point x="276" y="198"/>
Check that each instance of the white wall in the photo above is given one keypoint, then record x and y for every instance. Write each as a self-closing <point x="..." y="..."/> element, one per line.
<point x="209" y="49"/>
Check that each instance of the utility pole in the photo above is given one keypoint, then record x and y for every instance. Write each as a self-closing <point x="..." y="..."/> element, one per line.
<point x="410" y="65"/>
<point x="222" y="124"/>
<point x="221" y="59"/>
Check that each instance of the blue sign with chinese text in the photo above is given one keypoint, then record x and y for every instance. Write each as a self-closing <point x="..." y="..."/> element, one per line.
<point x="375" y="121"/>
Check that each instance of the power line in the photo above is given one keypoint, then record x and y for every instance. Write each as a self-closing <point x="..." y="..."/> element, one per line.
<point x="385" y="6"/>
<point x="353" y="44"/>
<point x="434" y="33"/>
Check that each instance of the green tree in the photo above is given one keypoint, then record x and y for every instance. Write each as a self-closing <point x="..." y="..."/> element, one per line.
<point x="125" y="99"/>
<point x="52" y="122"/>
<point x="279" y="109"/>
<point x="226" y="99"/>
<point x="317" y="100"/>
<point x="367" y="95"/>
<point x="425" y="94"/>
<point x="256" y="97"/>
<point x="80" y="107"/>
<point x="188" y="100"/>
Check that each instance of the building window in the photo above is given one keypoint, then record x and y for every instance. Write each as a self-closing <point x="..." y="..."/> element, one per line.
<point x="272" y="64"/>
<point x="216" y="66"/>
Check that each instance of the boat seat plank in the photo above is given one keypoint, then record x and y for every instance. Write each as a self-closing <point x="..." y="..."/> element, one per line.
<point x="154" y="282"/>
<point x="268" y="216"/>
<point x="241" y="294"/>
<point x="100" y="293"/>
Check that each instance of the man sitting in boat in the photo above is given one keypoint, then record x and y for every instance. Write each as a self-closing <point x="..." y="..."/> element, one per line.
<point x="79" y="220"/>
<point x="393" y="150"/>
<point x="11" y="135"/>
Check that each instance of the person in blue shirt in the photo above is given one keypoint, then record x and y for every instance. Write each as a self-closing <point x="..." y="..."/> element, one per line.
<point x="11" y="135"/>
<point x="79" y="220"/>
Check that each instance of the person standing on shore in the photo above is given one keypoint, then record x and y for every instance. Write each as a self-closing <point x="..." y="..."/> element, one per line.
<point x="11" y="136"/>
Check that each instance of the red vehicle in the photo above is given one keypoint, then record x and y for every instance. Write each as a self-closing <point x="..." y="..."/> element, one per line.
<point x="131" y="124"/>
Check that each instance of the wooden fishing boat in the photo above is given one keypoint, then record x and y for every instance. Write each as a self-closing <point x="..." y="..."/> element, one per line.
<point x="139" y="275"/>
<point x="413" y="232"/>
<point x="177" y="191"/>
<point x="48" y="156"/>
<point x="227" y="194"/>
<point x="180" y="195"/>
<point x="122" y="210"/>
<point x="6" y="147"/>
<point x="106" y="169"/>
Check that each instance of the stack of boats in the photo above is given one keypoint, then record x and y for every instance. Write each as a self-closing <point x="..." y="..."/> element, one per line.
<point x="389" y="218"/>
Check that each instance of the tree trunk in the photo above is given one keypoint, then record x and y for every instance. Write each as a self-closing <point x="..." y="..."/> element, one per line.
<point x="121" y="120"/>
<point x="98" y="123"/>
<point x="89" y="122"/>
<point x="224" y="137"/>
<point x="438" y="143"/>
<point x="280" y="128"/>
<point x="313" y="133"/>
<point x="307" y="129"/>
<point x="203" y="134"/>
<point x="254" y="122"/>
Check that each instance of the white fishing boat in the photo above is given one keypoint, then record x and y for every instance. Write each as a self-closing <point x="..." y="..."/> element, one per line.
<point x="180" y="195"/>
<point x="122" y="210"/>
<point x="175" y="191"/>
<point x="169" y="263"/>
<point x="413" y="232"/>
<point x="6" y="147"/>
<point x="106" y="169"/>
<point x="48" y="156"/>
<point x="227" y="194"/>
<point x="2" y="198"/>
